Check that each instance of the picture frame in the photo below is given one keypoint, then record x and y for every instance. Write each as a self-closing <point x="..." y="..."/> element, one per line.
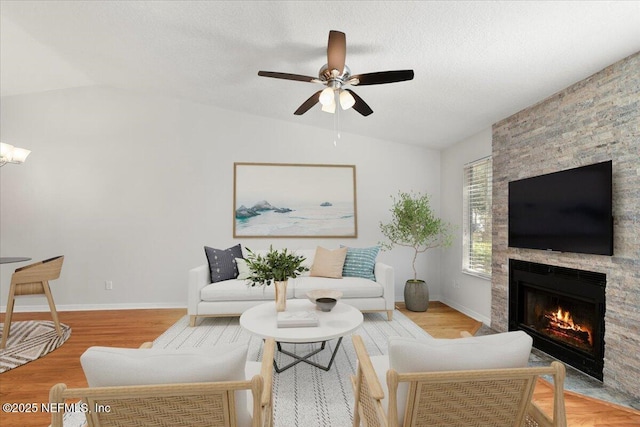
<point x="294" y="200"/>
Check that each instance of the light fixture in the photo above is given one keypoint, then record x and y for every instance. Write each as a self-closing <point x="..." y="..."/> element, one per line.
<point x="11" y="154"/>
<point x="346" y="99"/>
<point x="329" y="107"/>
<point x="326" y="96"/>
<point x="329" y="103"/>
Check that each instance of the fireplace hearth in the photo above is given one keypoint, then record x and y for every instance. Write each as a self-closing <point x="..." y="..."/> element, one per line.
<point x="562" y="309"/>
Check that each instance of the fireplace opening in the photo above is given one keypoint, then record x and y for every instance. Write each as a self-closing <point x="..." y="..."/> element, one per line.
<point x="562" y="309"/>
<point x="560" y="318"/>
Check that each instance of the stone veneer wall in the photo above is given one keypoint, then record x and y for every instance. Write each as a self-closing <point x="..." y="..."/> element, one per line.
<point x="594" y="120"/>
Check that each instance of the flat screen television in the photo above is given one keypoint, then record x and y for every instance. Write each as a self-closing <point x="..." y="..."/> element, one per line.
<point x="566" y="211"/>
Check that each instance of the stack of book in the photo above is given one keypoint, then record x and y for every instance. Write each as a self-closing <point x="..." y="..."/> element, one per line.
<point x="297" y="319"/>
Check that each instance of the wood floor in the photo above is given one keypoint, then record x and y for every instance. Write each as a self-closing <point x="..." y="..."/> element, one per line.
<point x="129" y="328"/>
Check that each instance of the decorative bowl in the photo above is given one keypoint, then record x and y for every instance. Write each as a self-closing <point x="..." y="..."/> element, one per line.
<point x="323" y="293"/>
<point x="326" y="303"/>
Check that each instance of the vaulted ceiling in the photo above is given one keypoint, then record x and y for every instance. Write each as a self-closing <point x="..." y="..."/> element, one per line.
<point x="475" y="62"/>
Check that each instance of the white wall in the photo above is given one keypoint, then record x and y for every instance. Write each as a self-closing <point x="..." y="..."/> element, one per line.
<point x="468" y="294"/>
<point x="130" y="188"/>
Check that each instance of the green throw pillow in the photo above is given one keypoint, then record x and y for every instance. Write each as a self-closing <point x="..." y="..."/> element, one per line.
<point x="360" y="262"/>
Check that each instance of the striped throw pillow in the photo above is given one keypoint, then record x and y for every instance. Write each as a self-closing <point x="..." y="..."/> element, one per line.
<point x="360" y="262"/>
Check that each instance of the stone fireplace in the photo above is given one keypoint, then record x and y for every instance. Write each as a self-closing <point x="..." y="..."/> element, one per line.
<point x="562" y="309"/>
<point x="594" y="120"/>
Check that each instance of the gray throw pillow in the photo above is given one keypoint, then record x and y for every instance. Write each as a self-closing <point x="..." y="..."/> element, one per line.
<point x="222" y="262"/>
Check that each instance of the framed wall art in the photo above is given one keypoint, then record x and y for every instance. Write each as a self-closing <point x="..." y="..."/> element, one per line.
<point x="294" y="200"/>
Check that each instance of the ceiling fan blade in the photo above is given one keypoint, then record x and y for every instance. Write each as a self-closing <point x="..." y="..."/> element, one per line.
<point x="287" y="76"/>
<point x="383" y="77"/>
<point x="336" y="51"/>
<point x="306" y="105"/>
<point x="360" y="106"/>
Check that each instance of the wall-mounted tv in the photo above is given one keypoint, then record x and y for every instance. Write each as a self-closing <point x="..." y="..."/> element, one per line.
<point x="566" y="211"/>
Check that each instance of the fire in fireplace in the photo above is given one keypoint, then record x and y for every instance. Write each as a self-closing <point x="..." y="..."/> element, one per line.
<point x="559" y="318"/>
<point x="562" y="327"/>
<point x="562" y="309"/>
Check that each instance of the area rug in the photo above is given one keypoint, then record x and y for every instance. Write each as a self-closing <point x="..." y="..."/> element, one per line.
<point x="30" y="340"/>
<point x="303" y="395"/>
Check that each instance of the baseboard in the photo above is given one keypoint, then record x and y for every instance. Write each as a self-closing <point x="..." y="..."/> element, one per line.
<point x="92" y="307"/>
<point x="142" y="306"/>
<point x="464" y="310"/>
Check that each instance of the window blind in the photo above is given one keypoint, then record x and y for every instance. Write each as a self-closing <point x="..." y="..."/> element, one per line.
<point x="476" y="258"/>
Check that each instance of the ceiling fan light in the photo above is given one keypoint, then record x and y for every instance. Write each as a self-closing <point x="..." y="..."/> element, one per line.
<point x="326" y="96"/>
<point x="346" y="100"/>
<point x="5" y="151"/>
<point x="19" y="155"/>
<point x="11" y="154"/>
<point x="329" y="108"/>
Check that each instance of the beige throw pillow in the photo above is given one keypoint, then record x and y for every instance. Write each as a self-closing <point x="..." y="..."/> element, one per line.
<point x="243" y="269"/>
<point x="328" y="263"/>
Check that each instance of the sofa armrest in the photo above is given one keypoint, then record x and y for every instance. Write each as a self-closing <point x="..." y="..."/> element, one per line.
<point x="384" y="276"/>
<point x="198" y="279"/>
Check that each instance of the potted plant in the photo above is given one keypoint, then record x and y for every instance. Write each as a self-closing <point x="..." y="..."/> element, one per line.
<point x="275" y="266"/>
<point x="414" y="225"/>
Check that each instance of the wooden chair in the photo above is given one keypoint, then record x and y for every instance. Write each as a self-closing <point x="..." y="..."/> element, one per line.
<point x="33" y="279"/>
<point x="194" y="404"/>
<point x="491" y="397"/>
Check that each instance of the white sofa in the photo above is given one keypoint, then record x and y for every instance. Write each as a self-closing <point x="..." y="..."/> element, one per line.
<point x="232" y="297"/>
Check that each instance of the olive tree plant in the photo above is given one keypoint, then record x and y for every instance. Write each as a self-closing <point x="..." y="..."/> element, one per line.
<point x="413" y="224"/>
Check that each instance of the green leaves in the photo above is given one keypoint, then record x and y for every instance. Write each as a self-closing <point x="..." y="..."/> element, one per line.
<point x="275" y="265"/>
<point x="413" y="224"/>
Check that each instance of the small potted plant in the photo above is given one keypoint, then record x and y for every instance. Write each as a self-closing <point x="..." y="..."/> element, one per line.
<point x="275" y="266"/>
<point x="414" y="225"/>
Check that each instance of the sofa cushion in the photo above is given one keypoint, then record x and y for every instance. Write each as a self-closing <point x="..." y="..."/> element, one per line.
<point x="498" y="351"/>
<point x="309" y="257"/>
<point x="240" y="290"/>
<point x="360" y="262"/>
<point x="505" y="350"/>
<point x="222" y="262"/>
<point x="111" y="366"/>
<point x="328" y="263"/>
<point x="351" y="287"/>
<point x="108" y="366"/>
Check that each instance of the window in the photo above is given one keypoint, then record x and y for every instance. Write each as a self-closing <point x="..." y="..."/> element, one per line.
<point x="476" y="223"/>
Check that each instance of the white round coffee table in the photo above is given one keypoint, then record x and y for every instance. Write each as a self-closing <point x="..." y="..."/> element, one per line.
<point x="261" y="320"/>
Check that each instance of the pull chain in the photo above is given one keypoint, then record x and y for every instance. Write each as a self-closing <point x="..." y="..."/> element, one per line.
<point x="336" y="118"/>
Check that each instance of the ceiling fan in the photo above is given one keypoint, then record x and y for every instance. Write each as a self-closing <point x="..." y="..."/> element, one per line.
<point x="335" y="75"/>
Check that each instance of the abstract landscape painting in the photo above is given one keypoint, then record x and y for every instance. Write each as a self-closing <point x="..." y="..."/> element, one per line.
<point x="294" y="200"/>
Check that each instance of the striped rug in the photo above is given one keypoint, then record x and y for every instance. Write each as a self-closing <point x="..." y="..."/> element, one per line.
<point x="304" y="396"/>
<point x="30" y="340"/>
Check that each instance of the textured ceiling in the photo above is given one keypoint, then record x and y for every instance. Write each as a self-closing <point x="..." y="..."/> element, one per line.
<point x="475" y="62"/>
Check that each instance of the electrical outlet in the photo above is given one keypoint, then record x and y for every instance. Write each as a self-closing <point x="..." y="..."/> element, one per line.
<point x="456" y="284"/>
<point x="108" y="285"/>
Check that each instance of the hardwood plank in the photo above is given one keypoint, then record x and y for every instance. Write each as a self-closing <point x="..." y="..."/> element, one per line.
<point x="441" y="321"/>
<point x="31" y="383"/>
<point x="130" y="328"/>
<point x="584" y="411"/>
